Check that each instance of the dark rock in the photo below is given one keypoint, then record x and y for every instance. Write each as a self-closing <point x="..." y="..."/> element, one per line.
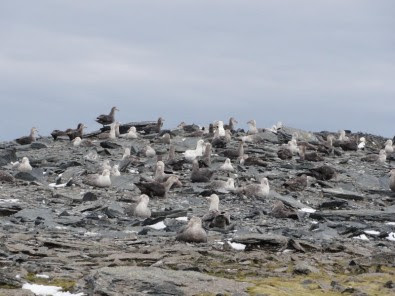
<point x="7" y="155"/>
<point x="38" y="145"/>
<point x="109" y="145"/>
<point x="89" y="196"/>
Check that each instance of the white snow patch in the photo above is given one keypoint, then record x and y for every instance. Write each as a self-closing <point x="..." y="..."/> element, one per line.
<point x="54" y="185"/>
<point x="158" y="226"/>
<point x="362" y="237"/>
<point x="61" y="227"/>
<point x="390" y="223"/>
<point x="391" y="236"/>
<point x="42" y="290"/>
<point x="90" y="233"/>
<point x="9" y="200"/>
<point x="372" y="232"/>
<point x="237" y="246"/>
<point x="313" y="222"/>
<point x="42" y="276"/>
<point x="307" y="210"/>
<point x="182" y="219"/>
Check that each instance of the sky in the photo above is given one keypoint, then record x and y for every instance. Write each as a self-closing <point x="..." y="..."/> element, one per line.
<point x="315" y="65"/>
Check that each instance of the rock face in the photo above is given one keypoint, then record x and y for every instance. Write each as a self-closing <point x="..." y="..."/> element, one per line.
<point x="134" y="280"/>
<point x="327" y="221"/>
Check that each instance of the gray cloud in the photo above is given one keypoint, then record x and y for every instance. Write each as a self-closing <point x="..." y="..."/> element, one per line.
<point x="314" y="65"/>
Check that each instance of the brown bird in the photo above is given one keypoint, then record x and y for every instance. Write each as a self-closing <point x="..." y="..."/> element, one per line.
<point x="157" y="188"/>
<point x="28" y="139"/>
<point x="193" y="232"/>
<point x="107" y="119"/>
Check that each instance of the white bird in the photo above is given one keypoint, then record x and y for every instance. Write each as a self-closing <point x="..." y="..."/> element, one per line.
<point x="388" y="147"/>
<point x="256" y="190"/>
<point x="132" y="133"/>
<point x="24" y="166"/>
<point x="96" y="180"/>
<point x="227" y="166"/>
<point x="342" y="136"/>
<point x="191" y="155"/>
<point x="220" y="128"/>
<point x="252" y="129"/>
<point x="362" y="143"/>
<point x="126" y="153"/>
<point x="115" y="170"/>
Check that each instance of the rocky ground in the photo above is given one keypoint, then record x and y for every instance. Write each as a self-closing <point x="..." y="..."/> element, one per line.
<point x="338" y="242"/>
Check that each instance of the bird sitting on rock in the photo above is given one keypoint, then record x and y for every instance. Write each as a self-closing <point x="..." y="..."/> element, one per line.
<point x="256" y="190"/>
<point x="227" y="166"/>
<point x="140" y="209"/>
<point x="193" y="232"/>
<point x="158" y="189"/>
<point x="28" y="139"/>
<point x="381" y="157"/>
<point x="215" y="218"/>
<point x="97" y="180"/>
<point x="200" y="174"/>
<point x="24" y="166"/>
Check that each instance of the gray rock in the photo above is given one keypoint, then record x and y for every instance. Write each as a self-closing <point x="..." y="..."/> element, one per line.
<point x="135" y="280"/>
<point x="7" y="155"/>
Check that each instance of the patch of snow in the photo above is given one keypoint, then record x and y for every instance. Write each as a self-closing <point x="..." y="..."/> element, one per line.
<point x="182" y="219"/>
<point x="158" y="226"/>
<point x="390" y="223"/>
<point x="42" y="276"/>
<point x="313" y="222"/>
<point x="61" y="227"/>
<point x="237" y="246"/>
<point x="9" y="200"/>
<point x="362" y="237"/>
<point x="307" y="210"/>
<point x="90" y="233"/>
<point x="391" y="236"/>
<point x="42" y="290"/>
<point x="372" y="232"/>
<point x="54" y="185"/>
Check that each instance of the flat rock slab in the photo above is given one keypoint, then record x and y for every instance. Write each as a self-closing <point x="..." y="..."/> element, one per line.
<point x="134" y="280"/>
<point x="342" y="193"/>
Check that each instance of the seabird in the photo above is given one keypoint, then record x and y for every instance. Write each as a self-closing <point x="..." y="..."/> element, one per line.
<point x="6" y="177"/>
<point x="298" y="183"/>
<point x="343" y="137"/>
<point x="392" y="180"/>
<point x="73" y="133"/>
<point x="362" y="143"/>
<point x="106" y="165"/>
<point x="160" y="175"/>
<point x="115" y="170"/>
<point x="256" y="190"/>
<point x="381" y="157"/>
<point x="252" y="161"/>
<point x="110" y="134"/>
<point x="148" y="151"/>
<point x="279" y="210"/>
<point x="206" y="159"/>
<point x="79" y="142"/>
<point x="323" y="173"/>
<point x="166" y="139"/>
<point x="157" y="188"/>
<point x="141" y="209"/>
<point x="310" y="156"/>
<point x="191" y="155"/>
<point x="131" y="134"/>
<point x="154" y="128"/>
<point x="227" y="166"/>
<point x="388" y="147"/>
<point x="200" y="174"/>
<point x="231" y="125"/>
<point x="28" y="139"/>
<point x="97" y="180"/>
<point x="126" y="153"/>
<point x="231" y="153"/>
<point x="215" y="218"/>
<point x="193" y="232"/>
<point x="228" y="185"/>
<point x="284" y="153"/>
<point x="24" y="166"/>
<point x="220" y="131"/>
<point x="252" y="129"/>
<point x="107" y="119"/>
<point x="189" y="128"/>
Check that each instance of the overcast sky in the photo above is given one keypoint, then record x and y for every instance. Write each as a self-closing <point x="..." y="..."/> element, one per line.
<point x="316" y="65"/>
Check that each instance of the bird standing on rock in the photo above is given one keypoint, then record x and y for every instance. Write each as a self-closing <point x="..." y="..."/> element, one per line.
<point x="105" y="119"/>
